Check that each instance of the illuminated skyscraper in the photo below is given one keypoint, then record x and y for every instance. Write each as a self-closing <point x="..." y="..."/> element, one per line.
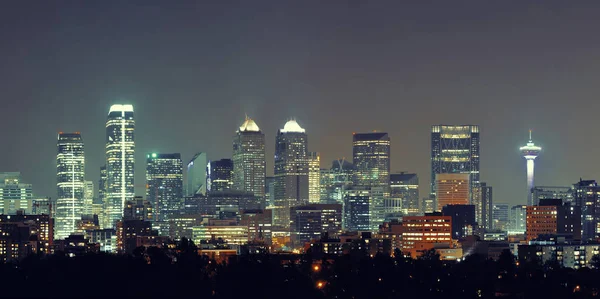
<point x="164" y="180"/>
<point x="70" y="171"/>
<point x="14" y="194"/>
<point x="120" y="149"/>
<point x="530" y="152"/>
<point x="291" y="172"/>
<point x="314" y="177"/>
<point x="88" y="197"/>
<point x="455" y="149"/>
<point x="249" y="166"/>
<point x="102" y="182"/>
<point x="196" y="174"/>
<point x="452" y="189"/>
<point x="371" y="156"/>
<point x="404" y="193"/>
<point x="220" y="175"/>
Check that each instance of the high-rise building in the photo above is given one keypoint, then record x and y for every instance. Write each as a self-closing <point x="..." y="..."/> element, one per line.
<point x="102" y="184"/>
<point x="371" y="157"/>
<point x="517" y="219"/>
<point x="138" y="209"/>
<point x="70" y="172"/>
<point x="164" y="178"/>
<point x="586" y="193"/>
<point x="314" y="177"/>
<point x="291" y="172"/>
<point x="551" y="217"/>
<point x="249" y="163"/>
<point x="405" y="193"/>
<point x="335" y="181"/>
<point x="421" y="233"/>
<point x="220" y="175"/>
<point x="530" y="152"/>
<point x="356" y="209"/>
<point x="428" y="204"/>
<point x="452" y="189"/>
<point x="88" y="197"/>
<point x="259" y="225"/>
<point x="310" y="221"/>
<point x="549" y="192"/>
<point x="14" y="195"/>
<point x="455" y="149"/>
<point x="486" y="207"/>
<point x="500" y="216"/>
<point x="197" y="174"/>
<point x="269" y="191"/>
<point x="463" y="219"/>
<point x="120" y="160"/>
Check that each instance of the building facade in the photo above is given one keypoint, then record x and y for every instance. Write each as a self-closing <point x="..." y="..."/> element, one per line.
<point x="314" y="177"/>
<point x="356" y="209"/>
<point x="405" y="193"/>
<point x="310" y="221"/>
<point x="420" y="233"/>
<point x="197" y="170"/>
<point x="371" y="157"/>
<point x="452" y="189"/>
<point x="518" y="220"/>
<point x="14" y="194"/>
<point x="249" y="160"/>
<point x="455" y="149"/>
<point x="70" y="173"/>
<point x="291" y="172"/>
<point x="586" y="196"/>
<point x="120" y="162"/>
<point x="164" y="181"/>
<point x="500" y="216"/>
<point x="220" y="175"/>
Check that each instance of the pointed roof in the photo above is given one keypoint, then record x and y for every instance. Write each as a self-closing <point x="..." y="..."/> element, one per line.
<point x="249" y="126"/>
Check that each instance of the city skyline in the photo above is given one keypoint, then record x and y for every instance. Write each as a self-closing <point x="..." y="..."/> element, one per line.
<point x="436" y="78"/>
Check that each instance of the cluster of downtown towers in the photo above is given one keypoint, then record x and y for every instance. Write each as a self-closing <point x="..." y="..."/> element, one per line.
<point x="367" y="189"/>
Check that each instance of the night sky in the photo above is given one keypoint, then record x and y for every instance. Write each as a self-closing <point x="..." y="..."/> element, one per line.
<point x="193" y="69"/>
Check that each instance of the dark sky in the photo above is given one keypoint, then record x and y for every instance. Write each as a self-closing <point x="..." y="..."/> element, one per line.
<point x="192" y="69"/>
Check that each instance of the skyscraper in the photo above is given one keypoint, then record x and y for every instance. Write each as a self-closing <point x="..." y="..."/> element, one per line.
<point x="371" y="157"/>
<point x="291" y="172"/>
<point x="14" y="194"/>
<point x="586" y="193"/>
<point x="455" y="149"/>
<point x="102" y="184"/>
<point x="452" y="189"/>
<point x="120" y="149"/>
<point x="249" y="164"/>
<point x="530" y="152"/>
<point x="500" y="216"/>
<point x="220" y="175"/>
<point x="88" y="197"/>
<point x="487" y="207"/>
<point x="314" y="177"/>
<point x="196" y="174"/>
<point x="405" y="189"/>
<point x="70" y="171"/>
<point x="164" y="178"/>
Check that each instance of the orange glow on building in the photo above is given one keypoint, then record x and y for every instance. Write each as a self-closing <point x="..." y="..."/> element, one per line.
<point x="541" y="220"/>
<point x="420" y="233"/>
<point x="452" y="189"/>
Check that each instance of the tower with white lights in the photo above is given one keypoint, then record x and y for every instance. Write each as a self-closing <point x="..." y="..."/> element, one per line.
<point x="530" y="152"/>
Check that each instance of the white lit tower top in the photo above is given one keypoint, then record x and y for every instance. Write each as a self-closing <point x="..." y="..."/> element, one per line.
<point x="530" y="152"/>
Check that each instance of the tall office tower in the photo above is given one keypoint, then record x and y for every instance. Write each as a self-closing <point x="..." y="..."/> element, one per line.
<point x="486" y="206"/>
<point x="371" y="157"/>
<point x="164" y="180"/>
<point x="120" y="160"/>
<point x="102" y="184"/>
<point x="70" y="172"/>
<point x="530" y="152"/>
<point x="14" y="194"/>
<point x="291" y="172"/>
<point x="500" y="216"/>
<point x="88" y="197"/>
<point x="310" y="221"/>
<point x="405" y="188"/>
<point x="197" y="170"/>
<point x="336" y="180"/>
<point x="546" y="192"/>
<point x="356" y="209"/>
<point x="452" y="189"/>
<point x="586" y="196"/>
<point x="220" y="175"/>
<point x="314" y="177"/>
<point x="517" y="220"/>
<point x="269" y="191"/>
<point x="455" y="149"/>
<point x="249" y="166"/>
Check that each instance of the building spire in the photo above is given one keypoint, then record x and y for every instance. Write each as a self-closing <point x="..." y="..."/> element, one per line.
<point x="529" y="135"/>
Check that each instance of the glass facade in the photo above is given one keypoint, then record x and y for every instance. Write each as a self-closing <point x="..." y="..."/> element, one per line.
<point x="249" y="164"/>
<point x="371" y="157"/>
<point x="356" y="209"/>
<point x="314" y="177"/>
<point x="404" y="195"/>
<point x="120" y="150"/>
<point x="291" y="172"/>
<point x="70" y="172"/>
<point x="586" y="196"/>
<point x="220" y="175"/>
<point x="14" y="195"/>
<point x="197" y="170"/>
<point x="455" y="149"/>
<point x="164" y="181"/>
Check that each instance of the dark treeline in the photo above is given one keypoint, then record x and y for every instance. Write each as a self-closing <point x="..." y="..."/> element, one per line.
<point x="180" y="272"/>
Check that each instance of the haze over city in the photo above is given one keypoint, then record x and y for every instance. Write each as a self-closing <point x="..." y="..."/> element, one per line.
<point x="193" y="70"/>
